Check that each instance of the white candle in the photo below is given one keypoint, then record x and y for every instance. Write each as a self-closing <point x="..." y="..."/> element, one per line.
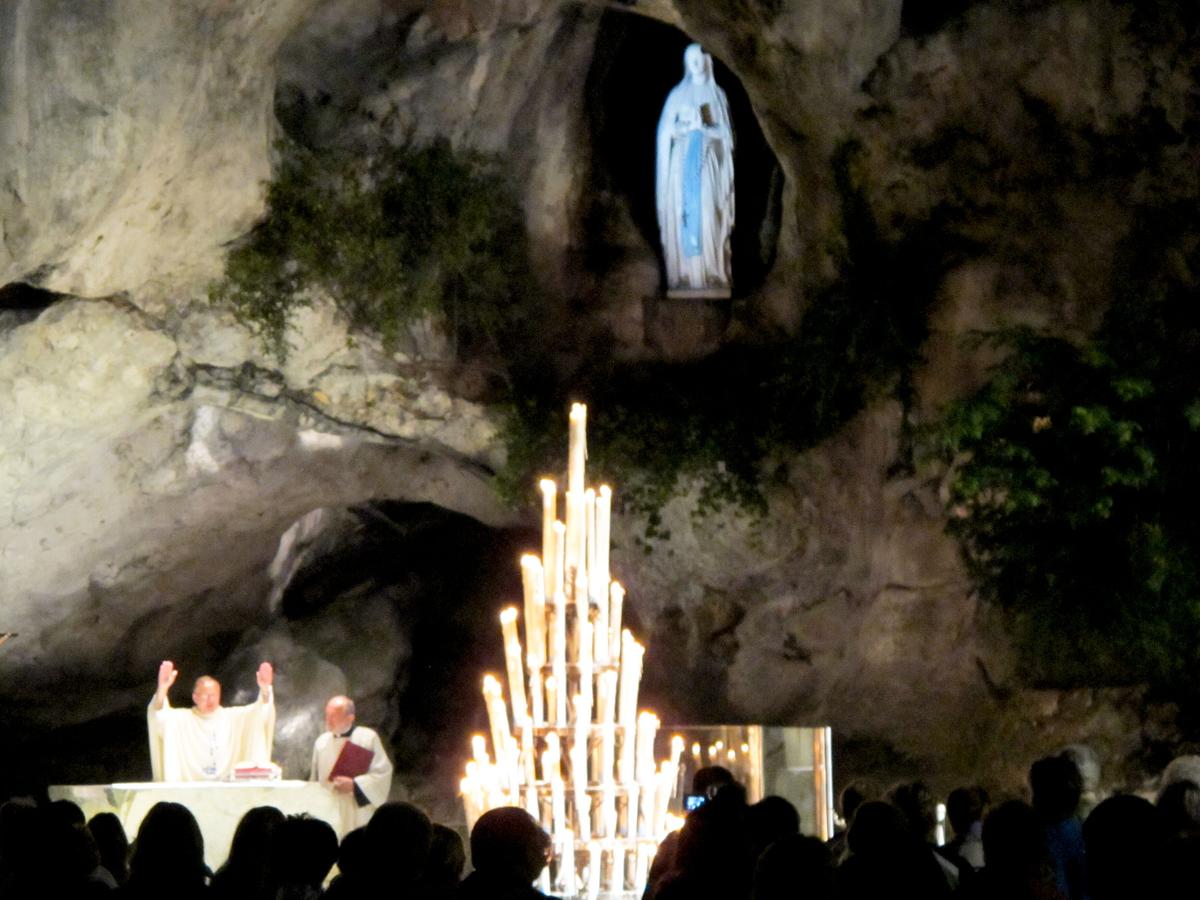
<point x="616" y="601"/>
<point x="471" y="806"/>
<point x="647" y="729"/>
<point x="584" y="712"/>
<point x="583" y="624"/>
<point x="528" y="760"/>
<point x="566" y="867"/>
<point x="574" y="533"/>
<point x="589" y="530"/>
<point x="668" y="774"/>
<point x="479" y="750"/>
<point x="603" y="531"/>
<point x="558" y="805"/>
<point x="560" y="557"/>
<point x="553" y="560"/>
<point x="498" y="717"/>
<point x="552" y="695"/>
<point x="533" y="580"/>
<point x="537" y="701"/>
<point x="549" y="516"/>
<point x="576" y="447"/>
<point x="641" y="867"/>
<point x="608" y="809"/>
<point x="629" y="822"/>
<point x="677" y="749"/>
<point x="595" y="863"/>
<point x="560" y="658"/>
<point x="512" y="660"/>
<point x="618" y="876"/>
<point x="631" y="677"/>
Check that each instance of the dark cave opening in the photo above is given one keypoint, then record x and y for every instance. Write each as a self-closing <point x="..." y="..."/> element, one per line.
<point x="636" y="63"/>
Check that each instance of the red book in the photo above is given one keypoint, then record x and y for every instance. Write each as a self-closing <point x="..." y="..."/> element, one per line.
<point x="352" y="761"/>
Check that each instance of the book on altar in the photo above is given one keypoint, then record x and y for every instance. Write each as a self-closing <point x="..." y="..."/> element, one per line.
<point x="352" y="761"/>
<point x="248" y="771"/>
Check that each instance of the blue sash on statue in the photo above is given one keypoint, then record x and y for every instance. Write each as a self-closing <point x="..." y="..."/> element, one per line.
<point x="693" y="165"/>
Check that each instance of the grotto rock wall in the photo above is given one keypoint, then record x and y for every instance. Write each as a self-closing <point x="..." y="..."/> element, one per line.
<point x="151" y="457"/>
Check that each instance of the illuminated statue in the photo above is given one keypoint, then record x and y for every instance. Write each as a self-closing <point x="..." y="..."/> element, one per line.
<point x="694" y="184"/>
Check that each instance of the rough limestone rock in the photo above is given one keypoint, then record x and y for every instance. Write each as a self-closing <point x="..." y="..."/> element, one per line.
<point x="157" y="469"/>
<point x="150" y="471"/>
<point x="134" y="138"/>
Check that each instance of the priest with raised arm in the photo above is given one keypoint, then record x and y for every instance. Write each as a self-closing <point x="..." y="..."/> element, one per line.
<point x="206" y="741"/>
<point x="351" y="761"/>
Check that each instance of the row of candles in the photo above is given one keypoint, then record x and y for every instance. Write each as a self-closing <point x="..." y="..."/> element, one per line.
<point x="576" y="753"/>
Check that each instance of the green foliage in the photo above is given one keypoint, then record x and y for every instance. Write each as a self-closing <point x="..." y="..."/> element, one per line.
<point x="1076" y="485"/>
<point x="721" y="422"/>
<point x="411" y="231"/>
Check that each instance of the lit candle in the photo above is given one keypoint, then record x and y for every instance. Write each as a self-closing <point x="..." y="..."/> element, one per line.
<point x="549" y="516"/>
<point x="584" y="712"/>
<point x="603" y="530"/>
<point x="498" y="717"/>
<point x="631" y="677"/>
<point x="677" y="749"/>
<point x="629" y="822"/>
<point x="533" y="580"/>
<point x="576" y="447"/>
<point x="647" y="729"/>
<point x="479" y="750"/>
<point x="512" y="659"/>
<point x="616" y="601"/>
<point x="732" y="757"/>
<point x="471" y="805"/>
<point x="696" y="749"/>
<point x="583" y="624"/>
<point x="667" y="776"/>
<point x="574" y="532"/>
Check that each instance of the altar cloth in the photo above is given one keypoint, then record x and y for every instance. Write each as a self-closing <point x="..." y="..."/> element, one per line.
<point x="217" y="805"/>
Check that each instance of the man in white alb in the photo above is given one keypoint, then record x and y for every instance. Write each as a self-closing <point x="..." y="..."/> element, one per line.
<point x="359" y="793"/>
<point x="205" y="742"/>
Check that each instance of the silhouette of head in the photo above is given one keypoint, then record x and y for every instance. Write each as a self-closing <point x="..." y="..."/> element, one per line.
<point x="1057" y="787"/>
<point x="770" y="819"/>
<point x="508" y="844"/>
<point x="168" y="854"/>
<point x="398" y="838"/>
<point x="309" y="848"/>
<point x="791" y="861"/>
<point x="112" y="843"/>
<point x="447" y="858"/>
<point x="1125" y="840"/>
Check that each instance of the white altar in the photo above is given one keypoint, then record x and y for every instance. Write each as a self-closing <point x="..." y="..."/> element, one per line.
<point x="217" y="806"/>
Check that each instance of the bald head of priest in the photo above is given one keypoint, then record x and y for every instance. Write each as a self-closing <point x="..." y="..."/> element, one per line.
<point x="350" y="760"/>
<point x="205" y="742"/>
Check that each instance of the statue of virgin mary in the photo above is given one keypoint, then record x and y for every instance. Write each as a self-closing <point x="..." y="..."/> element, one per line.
<point x="694" y="182"/>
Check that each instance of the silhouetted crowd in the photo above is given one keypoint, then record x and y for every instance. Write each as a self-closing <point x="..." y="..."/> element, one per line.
<point x="1061" y="846"/>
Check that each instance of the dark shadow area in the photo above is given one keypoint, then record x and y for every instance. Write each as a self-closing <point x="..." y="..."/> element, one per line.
<point x="448" y="576"/>
<point x="922" y="17"/>
<point x="637" y="61"/>
<point x="18" y="295"/>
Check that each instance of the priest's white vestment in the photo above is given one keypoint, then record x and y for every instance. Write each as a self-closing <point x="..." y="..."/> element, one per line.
<point x="370" y="789"/>
<point x="187" y="746"/>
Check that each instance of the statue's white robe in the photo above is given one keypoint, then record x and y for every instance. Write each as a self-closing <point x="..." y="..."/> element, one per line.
<point x="186" y="746"/>
<point x="371" y="788"/>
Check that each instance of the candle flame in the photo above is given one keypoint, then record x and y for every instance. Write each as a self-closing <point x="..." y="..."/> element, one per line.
<point x="490" y="684"/>
<point x="578" y="411"/>
<point x="696" y="749"/>
<point x="508" y="616"/>
<point x="605" y="490"/>
<point x="547" y="485"/>
<point x="732" y="756"/>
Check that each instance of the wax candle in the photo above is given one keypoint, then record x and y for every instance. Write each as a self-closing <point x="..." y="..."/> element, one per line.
<point x="574" y="530"/>
<point x="616" y="601"/>
<point x="589" y="530"/>
<point x="567" y="882"/>
<point x="549" y="516"/>
<point x="595" y="865"/>
<point x="576" y="446"/>
<point x="512" y="659"/>
<point x="533" y="582"/>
